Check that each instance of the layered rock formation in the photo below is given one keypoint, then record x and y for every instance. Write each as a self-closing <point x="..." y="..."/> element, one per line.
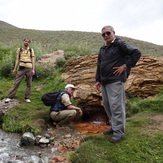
<point x="145" y="79"/>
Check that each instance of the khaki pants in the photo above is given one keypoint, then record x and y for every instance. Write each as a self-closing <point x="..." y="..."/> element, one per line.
<point x="64" y="116"/>
<point x="19" y="77"/>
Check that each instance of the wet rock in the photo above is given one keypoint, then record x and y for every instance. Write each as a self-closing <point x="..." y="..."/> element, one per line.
<point x="51" y="139"/>
<point x="43" y="140"/>
<point x="47" y="135"/>
<point x="27" y="139"/>
<point x="43" y="145"/>
<point x="38" y="137"/>
<point x="37" y="159"/>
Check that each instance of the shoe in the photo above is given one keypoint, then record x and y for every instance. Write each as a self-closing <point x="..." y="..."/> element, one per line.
<point x="108" y="132"/>
<point x="115" y="139"/>
<point x="27" y="100"/>
<point x="7" y="100"/>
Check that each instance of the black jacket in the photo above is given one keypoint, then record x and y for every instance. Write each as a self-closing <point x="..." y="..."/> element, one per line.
<point x="118" y="53"/>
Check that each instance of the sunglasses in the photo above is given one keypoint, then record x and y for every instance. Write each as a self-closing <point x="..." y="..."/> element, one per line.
<point x="108" y="33"/>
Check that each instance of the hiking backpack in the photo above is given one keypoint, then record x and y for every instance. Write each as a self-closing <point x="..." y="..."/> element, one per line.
<point x="50" y="98"/>
<point x="30" y="50"/>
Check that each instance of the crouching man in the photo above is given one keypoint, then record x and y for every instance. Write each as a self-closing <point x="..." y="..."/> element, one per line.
<point x="63" y="111"/>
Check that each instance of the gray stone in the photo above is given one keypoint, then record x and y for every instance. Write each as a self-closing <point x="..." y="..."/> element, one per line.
<point x="27" y="139"/>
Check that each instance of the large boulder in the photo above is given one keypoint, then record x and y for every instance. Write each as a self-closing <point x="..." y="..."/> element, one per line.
<point x="145" y="79"/>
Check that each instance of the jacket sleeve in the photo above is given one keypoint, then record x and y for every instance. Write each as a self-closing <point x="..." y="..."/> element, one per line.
<point x="131" y="53"/>
<point x="98" y="69"/>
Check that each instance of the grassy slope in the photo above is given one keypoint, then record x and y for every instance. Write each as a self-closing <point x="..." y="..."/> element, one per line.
<point x="138" y="145"/>
<point x="50" y="41"/>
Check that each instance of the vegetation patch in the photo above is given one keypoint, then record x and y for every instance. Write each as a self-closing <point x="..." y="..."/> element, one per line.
<point x="138" y="145"/>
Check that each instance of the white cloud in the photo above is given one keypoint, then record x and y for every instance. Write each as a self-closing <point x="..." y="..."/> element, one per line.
<point x="131" y="18"/>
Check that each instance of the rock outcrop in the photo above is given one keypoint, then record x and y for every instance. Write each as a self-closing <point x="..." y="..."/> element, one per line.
<point x="50" y="59"/>
<point x="145" y="79"/>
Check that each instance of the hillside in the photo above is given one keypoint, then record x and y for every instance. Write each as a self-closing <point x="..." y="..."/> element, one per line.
<point x="50" y="41"/>
<point x="2" y="23"/>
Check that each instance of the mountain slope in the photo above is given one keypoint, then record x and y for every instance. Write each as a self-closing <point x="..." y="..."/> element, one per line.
<point x="50" y="41"/>
<point x="2" y="23"/>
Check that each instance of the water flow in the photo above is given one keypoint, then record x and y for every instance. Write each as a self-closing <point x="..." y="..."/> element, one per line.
<point x="10" y="151"/>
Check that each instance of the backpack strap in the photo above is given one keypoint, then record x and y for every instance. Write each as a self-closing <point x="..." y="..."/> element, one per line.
<point x="61" y="93"/>
<point x="30" y="50"/>
<point x="20" y="50"/>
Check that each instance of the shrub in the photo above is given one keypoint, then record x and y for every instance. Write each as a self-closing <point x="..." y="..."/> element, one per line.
<point x="6" y="66"/>
<point x="60" y="63"/>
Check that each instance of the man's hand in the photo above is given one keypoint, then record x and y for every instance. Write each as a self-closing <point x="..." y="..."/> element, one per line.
<point x="33" y="72"/>
<point x="14" y="71"/>
<point x="98" y="85"/>
<point x="71" y="107"/>
<point x="118" y="70"/>
<point x="80" y="112"/>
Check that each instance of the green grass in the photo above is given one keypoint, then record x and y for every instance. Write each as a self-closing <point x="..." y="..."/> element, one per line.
<point x="138" y="146"/>
<point x="136" y="105"/>
<point x="32" y="116"/>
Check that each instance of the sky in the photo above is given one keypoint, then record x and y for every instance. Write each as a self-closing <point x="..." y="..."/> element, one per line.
<point x="137" y="19"/>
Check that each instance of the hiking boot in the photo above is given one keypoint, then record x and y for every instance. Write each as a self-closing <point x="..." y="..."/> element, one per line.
<point x="27" y="100"/>
<point x="7" y="100"/>
<point x="108" y="132"/>
<point x="116" y="139"/>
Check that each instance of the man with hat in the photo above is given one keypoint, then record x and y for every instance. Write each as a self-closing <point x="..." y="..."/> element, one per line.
<point x="63" y="111"/>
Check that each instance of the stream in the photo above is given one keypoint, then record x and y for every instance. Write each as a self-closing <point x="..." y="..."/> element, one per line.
<point x="65" y="141"/>
<point x="11" y="152"/>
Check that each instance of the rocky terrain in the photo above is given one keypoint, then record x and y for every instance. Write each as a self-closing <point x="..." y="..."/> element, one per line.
<point x="145" y="79"/>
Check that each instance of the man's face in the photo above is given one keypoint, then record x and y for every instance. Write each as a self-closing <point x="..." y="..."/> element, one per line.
<point x="71" y="90"/>
<point x="26" y="42"/>
<point x="108" y="35"/>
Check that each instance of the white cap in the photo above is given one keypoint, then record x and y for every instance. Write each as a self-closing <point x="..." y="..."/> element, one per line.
<point x="70" y="86"/>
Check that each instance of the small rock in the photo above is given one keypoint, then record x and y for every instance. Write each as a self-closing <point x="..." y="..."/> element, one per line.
<point x="68" y="136"/>
<point x="27" y="139"/>
<point x="44" y="140"/>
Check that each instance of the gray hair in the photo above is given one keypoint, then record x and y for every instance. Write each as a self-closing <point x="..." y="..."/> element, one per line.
<point x="108" y="26"/>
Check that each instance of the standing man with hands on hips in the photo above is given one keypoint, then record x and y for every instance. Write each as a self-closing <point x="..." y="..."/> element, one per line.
<point x="115" y="58"/>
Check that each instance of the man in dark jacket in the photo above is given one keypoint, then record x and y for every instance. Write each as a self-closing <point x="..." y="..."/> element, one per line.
<point x="63" y="111"/>
<point x="115" y="59"/>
